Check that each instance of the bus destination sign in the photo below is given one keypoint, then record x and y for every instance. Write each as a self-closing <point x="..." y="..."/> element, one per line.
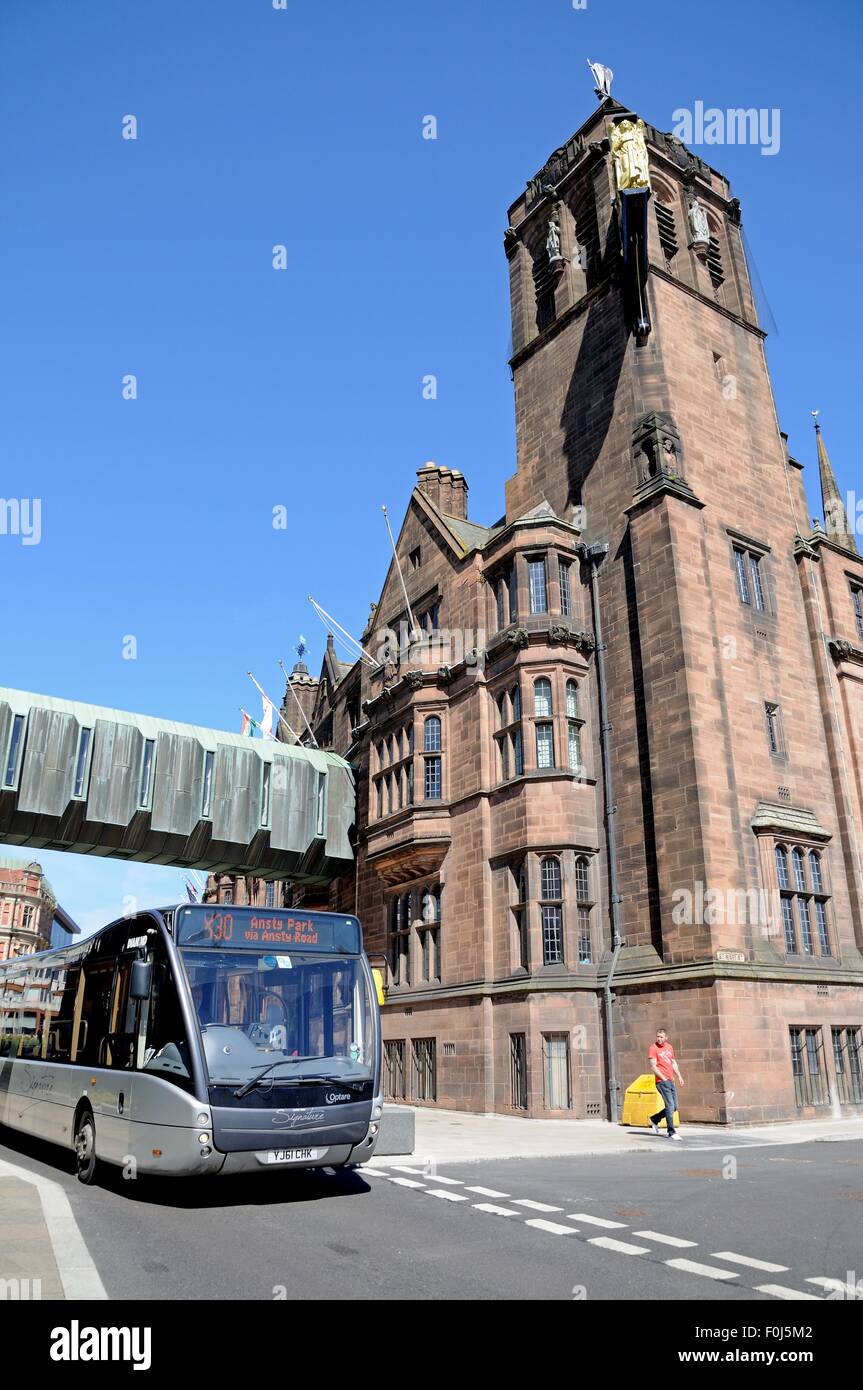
<point x="203" y="924"/>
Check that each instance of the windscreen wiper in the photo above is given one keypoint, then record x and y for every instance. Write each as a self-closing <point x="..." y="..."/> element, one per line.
<point x="349" y="1084"/>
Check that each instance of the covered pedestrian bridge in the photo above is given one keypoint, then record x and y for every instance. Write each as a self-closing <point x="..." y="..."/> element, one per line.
<point x="101" y="781"/>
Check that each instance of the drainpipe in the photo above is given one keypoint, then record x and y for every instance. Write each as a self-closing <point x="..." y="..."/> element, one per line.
<point x="593" y="556"/>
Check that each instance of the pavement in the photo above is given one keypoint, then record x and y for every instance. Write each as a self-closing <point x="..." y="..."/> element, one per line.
<point x="454" y="1136"/>
<point x="373" y="1233"/>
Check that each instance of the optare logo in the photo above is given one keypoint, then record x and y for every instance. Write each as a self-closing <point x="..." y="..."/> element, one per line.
<point x="333" y="1097"/>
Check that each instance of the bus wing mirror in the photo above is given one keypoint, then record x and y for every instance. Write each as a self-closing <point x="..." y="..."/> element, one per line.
<point x="142" y="975"/>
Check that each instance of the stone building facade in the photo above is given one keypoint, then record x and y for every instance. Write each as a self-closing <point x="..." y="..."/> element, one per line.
<point x="553" y="864"/>
<point x="30" y="918"/>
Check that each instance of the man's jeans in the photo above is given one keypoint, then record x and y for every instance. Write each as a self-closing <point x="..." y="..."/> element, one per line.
<point x="668" y="1091"/>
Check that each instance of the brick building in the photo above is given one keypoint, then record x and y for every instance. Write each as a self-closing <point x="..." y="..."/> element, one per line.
<point x="616" y="779"/>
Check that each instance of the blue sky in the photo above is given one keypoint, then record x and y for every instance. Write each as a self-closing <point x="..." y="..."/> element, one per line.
<point x="302" y="388"/>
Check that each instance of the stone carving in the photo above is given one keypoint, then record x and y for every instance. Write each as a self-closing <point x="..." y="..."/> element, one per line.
<point x="552" y="240"/>
<point x="734" y="211"/>
<point x="845" y="651"/>
<point x="656" y="448"/>
<point x="516" y="637"/>
<point x="629" y="150"/>
<point x="510" y="240"/>
<point x="698" y="224"/>
<point x="558" y="633"/>
<point x="413" y="680"/>
<point x="444" y="674"/>
<point x="584" y="640"/>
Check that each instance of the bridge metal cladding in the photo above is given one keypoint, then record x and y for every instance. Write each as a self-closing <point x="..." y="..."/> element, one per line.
<point x="102" y="781"/>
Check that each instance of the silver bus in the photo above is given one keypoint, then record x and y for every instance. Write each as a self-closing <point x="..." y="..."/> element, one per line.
<point x="197" y="1039"/>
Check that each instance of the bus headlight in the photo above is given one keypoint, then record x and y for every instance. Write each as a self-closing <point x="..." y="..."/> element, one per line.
<point x="373" y="1129"/>
<point x="376" y="1113"/>
<point x="203" y="1138"/>
<point x="203" y="1119"/>
<point x="205" y="1152"/>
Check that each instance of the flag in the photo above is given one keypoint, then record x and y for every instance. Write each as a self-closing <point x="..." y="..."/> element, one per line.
<point x="267" y="718"/>
<point x="191" y="891"/>
<point x="248" y="726"/>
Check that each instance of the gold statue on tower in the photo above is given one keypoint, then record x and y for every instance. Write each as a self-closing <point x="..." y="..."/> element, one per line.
<point x="629" y="150"/>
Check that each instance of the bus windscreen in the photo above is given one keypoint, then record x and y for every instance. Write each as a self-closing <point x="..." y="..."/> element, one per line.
<point x="204" y="925"/>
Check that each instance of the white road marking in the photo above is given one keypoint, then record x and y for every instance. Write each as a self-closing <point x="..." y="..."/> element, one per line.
<point x="747" y="1260"/>
<point x="448" y="1182"/>
<point x="78" y="1274"/>
<point x="487" y="1192"/>
<point x="447" y="1196"/>
<point x="400" y="1168"/>
<point x="664" y="1240"/>
<point x="779" y="1291"/>
<point x="622" y="1247"/>
<point x="838" y="1286"/>
<point x="709" y="1271"/>
<point x="406" y="1182"/>
<point x="596" y="1220"/>
<point x="551" y="1226"/>
<point x="535" y="1206"/>
<point x="495" y="1211"/>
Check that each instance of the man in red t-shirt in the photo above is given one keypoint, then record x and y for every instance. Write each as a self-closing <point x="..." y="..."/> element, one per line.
<point x="665" y="1069"/>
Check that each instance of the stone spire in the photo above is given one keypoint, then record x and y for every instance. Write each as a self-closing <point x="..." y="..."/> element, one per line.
<point x="835" y="516"/>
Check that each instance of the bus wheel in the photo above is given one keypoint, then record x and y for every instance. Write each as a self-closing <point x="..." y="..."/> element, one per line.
<point x="85" y="1148"/>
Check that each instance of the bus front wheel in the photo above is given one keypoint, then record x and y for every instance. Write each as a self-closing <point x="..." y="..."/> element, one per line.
<point x="85" y="1148"/>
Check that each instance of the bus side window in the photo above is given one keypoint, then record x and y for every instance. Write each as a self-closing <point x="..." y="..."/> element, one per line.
<point x="167" y="1049"/>
<point x="60" y="1036"/>
<point x="93" y="1028"/>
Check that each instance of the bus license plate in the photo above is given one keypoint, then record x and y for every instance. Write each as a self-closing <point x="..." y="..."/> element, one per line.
<point x="290" y="1155"/>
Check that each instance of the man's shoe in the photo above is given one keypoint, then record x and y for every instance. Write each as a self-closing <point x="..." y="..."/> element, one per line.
<point x="655" y="1127"/>
<point x="675" y="1135"/>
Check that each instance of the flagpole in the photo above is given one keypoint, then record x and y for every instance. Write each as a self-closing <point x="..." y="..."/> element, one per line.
<point x="299" y="706"/>
<point x="292" y="732"/>
<point x="352" y="640"/>
<point x="414" y="634"/>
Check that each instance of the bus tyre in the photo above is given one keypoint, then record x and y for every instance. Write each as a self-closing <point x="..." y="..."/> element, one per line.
<point x="85" y="1148"/>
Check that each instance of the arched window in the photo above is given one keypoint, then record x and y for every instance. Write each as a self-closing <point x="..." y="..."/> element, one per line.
<point x="400" y="929"/>
<point x="542" y="698"/>
<point x="516" y="702"/>
<point x="551" y="911"/>
<point x="584" y="902"/>
<point x="433" y="769"/>
<point x="432" y="734"/>
<point x="815" y="871"/>
<point x="804" y="905"/>
<point x="571" y="700"/>
<point x="799" y="870"/>
<point x="781" y="866"/>
<point x="430" y="933"/>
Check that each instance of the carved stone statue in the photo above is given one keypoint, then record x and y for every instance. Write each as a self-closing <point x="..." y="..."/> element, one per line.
<point x="629" y="150"/>
<point x="698" y="224"/>
<point x="552" y="241"/>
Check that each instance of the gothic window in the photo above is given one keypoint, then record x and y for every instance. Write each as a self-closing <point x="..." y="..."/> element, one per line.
<point x="804" y="901"/>
<point x="848" y="1065"/>
<point x="430" y="934"/>
<point x="518" y="890"/>
<point x="538" y="585"/>
<point x="573" y="727"/>
<point x="565" y="576"/>
<point x="400" y="939"/>
<point x="774" y="727"/>
<point x="433" y="769"/>
<point x="555" y="1066"/>
<point x="714" y="263"/>
<point x="543" y="727"/>
<point x="551" y="911"/>
<point x="857" y="602"/>
<point x="542" y="698"/>
<point x="504" y="595"/>
<point x="508" y="737"/>
<point x="584" y="903"/>
<point x="807" y="1067"/>
<point x="750" y="587"/>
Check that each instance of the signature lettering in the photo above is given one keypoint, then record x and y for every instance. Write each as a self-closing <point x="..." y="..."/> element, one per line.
<point x="292" y="1119"/>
